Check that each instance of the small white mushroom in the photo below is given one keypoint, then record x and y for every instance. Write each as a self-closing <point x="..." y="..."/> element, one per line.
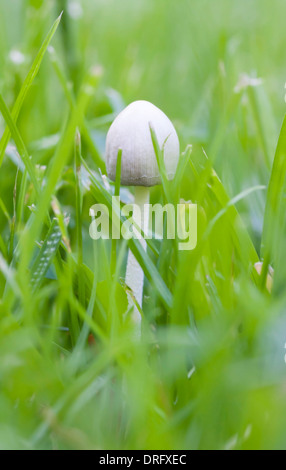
<point x="130" y="132"/>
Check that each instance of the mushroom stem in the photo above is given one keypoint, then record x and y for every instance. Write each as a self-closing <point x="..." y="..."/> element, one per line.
<point x="134" y="274"/>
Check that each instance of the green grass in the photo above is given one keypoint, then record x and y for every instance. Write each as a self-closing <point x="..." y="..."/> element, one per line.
<point x="209" y="371"/>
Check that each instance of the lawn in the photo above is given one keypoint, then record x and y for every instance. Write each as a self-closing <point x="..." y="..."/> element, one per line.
<point x="209" y="370"/>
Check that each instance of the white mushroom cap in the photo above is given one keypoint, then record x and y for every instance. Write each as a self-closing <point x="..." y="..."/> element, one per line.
<point x="130" y="132"/>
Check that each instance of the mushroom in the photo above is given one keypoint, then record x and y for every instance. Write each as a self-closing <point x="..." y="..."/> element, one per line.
<point x="130" y="132"/>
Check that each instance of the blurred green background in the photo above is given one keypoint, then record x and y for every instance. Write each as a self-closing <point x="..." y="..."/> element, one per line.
<point x="215" y="376"/>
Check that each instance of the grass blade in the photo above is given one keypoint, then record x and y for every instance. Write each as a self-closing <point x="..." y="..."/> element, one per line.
<point x="26" y="86"/>
<point x="274" y="218"/>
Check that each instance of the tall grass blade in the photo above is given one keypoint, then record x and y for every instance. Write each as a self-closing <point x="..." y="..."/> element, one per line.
<point x="27" y="85"/>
